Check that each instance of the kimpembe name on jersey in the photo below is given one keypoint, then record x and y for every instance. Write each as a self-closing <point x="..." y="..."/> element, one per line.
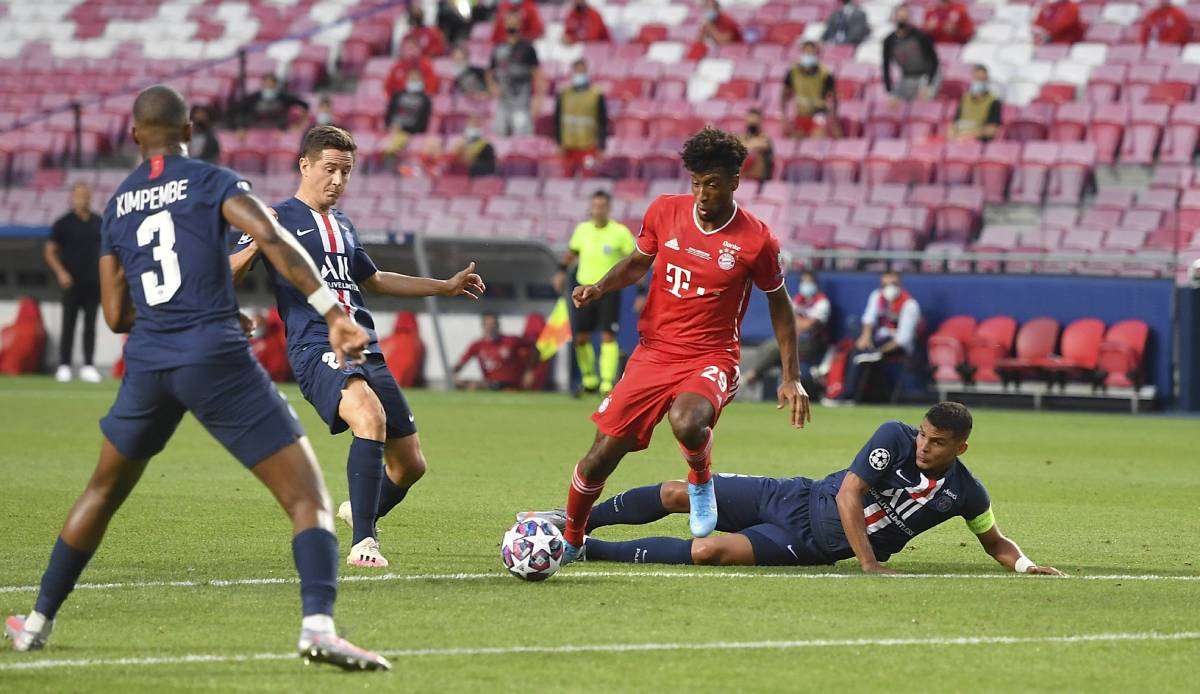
<point x="152" y="198"/>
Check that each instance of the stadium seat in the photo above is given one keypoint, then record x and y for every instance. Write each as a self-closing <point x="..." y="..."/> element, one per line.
<point x="1028" y="123"/>
<point x="1181" y="134"/>
<point x="1035" y="342"/>
<point x="995" y="238"/>
<point x="947" y="348"/>
<point x="957" y="218"/>
<point x="844" y="160"/>
<point x="1119" y="358"/>
<point x="1030" y="175"/>
<point x="884" y="158"/>
<point x="995" y="169"/>
<point x="1108" y="126"/>
<point x="806" y="164"/>
<point x="992" y="341"/>
<point x="959" y="161"/>
<point x="1071" y="173"/>
<point x="1142" y="136"/>
<point x="1078" y="351"/>
<point x="1071" y="121"/>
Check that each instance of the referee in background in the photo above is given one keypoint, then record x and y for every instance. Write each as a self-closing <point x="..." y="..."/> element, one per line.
<point x="73" y="254"/>
<point x="597" y="244"/>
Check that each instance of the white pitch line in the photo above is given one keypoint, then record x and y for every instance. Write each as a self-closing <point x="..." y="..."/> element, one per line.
<point x="388" y="577"/>
<point x="627" y="648"/>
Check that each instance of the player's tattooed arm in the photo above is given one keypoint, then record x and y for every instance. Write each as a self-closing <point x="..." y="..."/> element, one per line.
<point x="114" y="295"/>
<point x="854" y="524"/>
<point x="791" y="393"/>
<point x="626" y="272"/>
<point x="464" y="283"/>
<point x="1007" y="553"/>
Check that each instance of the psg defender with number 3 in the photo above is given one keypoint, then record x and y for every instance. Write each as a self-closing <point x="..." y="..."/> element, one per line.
<point x="165" y="281"/>
<point x="706" y="252"/>
<point x="361" y="397"/>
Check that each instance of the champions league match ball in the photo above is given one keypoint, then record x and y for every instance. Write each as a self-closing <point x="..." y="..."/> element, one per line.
<point x="532" y="550"/>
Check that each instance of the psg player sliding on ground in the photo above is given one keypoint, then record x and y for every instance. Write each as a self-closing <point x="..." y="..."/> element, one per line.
<point x="706" y="252"/>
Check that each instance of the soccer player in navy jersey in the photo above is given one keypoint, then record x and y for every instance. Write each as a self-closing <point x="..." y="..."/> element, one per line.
<point x="361" y="397"/>
<point x="165" y="281"/>
<point x="903" y="482"/>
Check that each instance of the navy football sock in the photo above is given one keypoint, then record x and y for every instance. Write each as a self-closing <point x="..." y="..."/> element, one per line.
<point x="636" y="506"/>
<point x="389" y="495"/>
<point x="316" y="553"/>
<point x="648" y="550"/>
<point x="364" y="472"/>
<point x="62" y="573"/>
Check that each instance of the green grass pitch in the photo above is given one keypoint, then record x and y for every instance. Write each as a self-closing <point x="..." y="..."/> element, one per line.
<point x="1095" y="495"/>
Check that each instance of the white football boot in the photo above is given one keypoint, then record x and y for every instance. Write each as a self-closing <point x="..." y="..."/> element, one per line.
<point x="366" y="554"/>
<point x="28" y="633"/>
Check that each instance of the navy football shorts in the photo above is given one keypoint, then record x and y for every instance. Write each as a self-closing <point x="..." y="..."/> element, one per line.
<point x="322" y="383"/>
<point x="235" y="401"/>
<point x="772" y="514"/>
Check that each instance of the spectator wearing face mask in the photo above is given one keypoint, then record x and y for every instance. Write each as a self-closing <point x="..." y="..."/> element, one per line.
<point x="760" y="152"/>
<point x="410" y="59"/>
<point x="473" y="154"/>
<point x="809" y="97"/>
<point x="324" y="113"/>
<point x="429" y="39"/>
<point x="812" y="309"/>
<point x="407" y="113"/>
<point x="204" y="144"/>
<point x="716" y="29"/>
<point x="580" y="122"/>
<point x="1059" y="22"/>
<point x="529" y="21"/>
<point x="270" y="106"/>
<point x="889" y="334"/>
<point x="913" y="53"/>
<point x="515" y="80"/>
<point x="469" y="80"/>
<point x="949" y="22"/>
<point x="847" y="25"/>
<point x="978" y="114"/>
<point x="583" y="24"/>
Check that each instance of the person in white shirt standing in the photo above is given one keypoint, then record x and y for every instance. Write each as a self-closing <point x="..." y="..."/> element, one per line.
<point x="889" y="334"/>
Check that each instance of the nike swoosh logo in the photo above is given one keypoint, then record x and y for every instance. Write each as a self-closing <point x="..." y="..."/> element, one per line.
<point x="789" y="548"/>
<point x="302" y="233"/>
<point x="901" y="476"/>
<point x="411" y="418"/>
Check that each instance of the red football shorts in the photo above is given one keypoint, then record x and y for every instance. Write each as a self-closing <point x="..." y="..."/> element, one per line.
<point x="578" y="162"/>
<point x="653" y="380"/>
<point x="807" y="125"/>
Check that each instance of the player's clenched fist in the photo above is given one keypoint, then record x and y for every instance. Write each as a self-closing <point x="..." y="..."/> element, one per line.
<point x="348" y="340"/>
<point x="585" y="294"/>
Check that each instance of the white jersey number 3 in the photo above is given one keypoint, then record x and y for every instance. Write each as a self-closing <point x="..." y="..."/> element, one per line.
<point x="164" y="254"/>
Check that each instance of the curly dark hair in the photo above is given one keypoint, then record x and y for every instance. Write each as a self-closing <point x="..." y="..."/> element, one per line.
<point x="323" y="137"/>
<point x="951" y="416"/>
<point x="713" y="150"/>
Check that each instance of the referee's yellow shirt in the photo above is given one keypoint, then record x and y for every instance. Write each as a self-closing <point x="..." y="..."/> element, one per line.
<point x="599" y="248"/>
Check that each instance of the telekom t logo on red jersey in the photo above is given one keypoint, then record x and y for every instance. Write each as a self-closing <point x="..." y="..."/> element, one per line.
<point x="678" y="279"/>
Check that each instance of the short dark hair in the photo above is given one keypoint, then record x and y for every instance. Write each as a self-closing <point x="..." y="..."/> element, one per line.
<point x="323" y="137"/>
<point x="810" y="44"/>
<point x="809" y="273"/>
<point x="602" y="193"/>
<point x="160" y="108"/>
<point x="951" y="416"/>
<point x="713" y="150"/>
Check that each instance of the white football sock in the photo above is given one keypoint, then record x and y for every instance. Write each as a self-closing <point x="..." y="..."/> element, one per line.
<point x="318" y="622"/>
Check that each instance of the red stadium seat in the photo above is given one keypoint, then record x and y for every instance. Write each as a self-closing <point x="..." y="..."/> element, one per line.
<point x="1119" y="359"/>
<point x="889" y="194"/>
<point x="995" y="169"/>
<point x="886" y="119"/>
<point x="885" y="157"/>
<point x="957" y="218"/>
<point x="1071" y="121"/>
<point x="1031" y="174"/>
<point x="844" y="160"/>
<point x="992" y="341"/>
<point x="808" y="161"/>
<point x="1028" y="123"/>
<point x="852" y="115"/>
<point x="1056" y="93"/>
<point x="995" y="239"/>
<point x="1143" y="134"/>
<point x="1104" y="84"/>
<point x="1035" y="342"/>
<point x="1108" y="126"/>
<point x="1079" y="350"/>
<point x="947" y="348"/>
<point x="1181" y="134"/>
<point x="926" y="118"/>
<point x="1072" y="173"/>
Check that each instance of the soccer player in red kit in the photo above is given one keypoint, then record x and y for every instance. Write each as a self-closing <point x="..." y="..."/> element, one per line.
<point x="706" y="252"/>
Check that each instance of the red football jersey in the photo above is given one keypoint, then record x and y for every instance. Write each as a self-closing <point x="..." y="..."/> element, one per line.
<point x="701" y="284"/>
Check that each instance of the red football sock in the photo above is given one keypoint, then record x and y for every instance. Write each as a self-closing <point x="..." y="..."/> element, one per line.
<point x="580" y="498"/>
<point x="699" y="462"/>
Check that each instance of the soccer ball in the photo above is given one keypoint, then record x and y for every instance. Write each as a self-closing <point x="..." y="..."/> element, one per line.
<point x="532" y="550"/>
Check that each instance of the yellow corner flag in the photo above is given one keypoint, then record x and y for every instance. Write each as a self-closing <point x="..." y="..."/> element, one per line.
<point x="556" y="333"/>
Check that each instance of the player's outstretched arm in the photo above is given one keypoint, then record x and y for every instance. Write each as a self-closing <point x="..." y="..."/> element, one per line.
<point x="1009" y="555"/>
<point x="791" y="392"/>
<point x="114" y="295"/>
<point x="626" y="272"/>
<point x="246" y="212"/>
<point x="465" y="283"/>
<point x="850" y="510"/>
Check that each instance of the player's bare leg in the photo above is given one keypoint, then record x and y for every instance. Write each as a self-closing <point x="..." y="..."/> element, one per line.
<point x="691" y="417"/>
<point x="361" y="409"/>
<point x="113" y="479"/>
<point x="294" y="478"/>
<point x="587" y="483"/>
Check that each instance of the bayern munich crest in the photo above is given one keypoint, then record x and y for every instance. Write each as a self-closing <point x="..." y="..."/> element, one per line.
<point x="879" y="458"/>
<point x="725" y="261"/>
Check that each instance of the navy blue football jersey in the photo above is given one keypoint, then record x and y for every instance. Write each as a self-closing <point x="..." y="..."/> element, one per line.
<point x="901" y="502"/>
<point x="332" y="242"/>
<point x="165" y="226"/>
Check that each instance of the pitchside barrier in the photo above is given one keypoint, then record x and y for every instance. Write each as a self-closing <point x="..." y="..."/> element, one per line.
<point x="518" y="275"/>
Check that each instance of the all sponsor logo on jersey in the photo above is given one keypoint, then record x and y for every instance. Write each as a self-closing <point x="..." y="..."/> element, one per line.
<point x="879" y="458"/>
<point x="336" y="272"/>
<point x="731" y="246"/>
<point x="726" y="260"/>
